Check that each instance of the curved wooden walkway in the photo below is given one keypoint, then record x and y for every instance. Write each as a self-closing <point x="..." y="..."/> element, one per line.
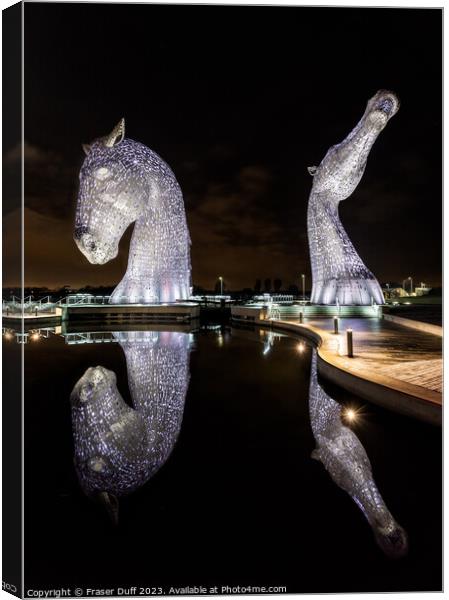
<point x="389" y="349"/>
<point x="393" y="366"/>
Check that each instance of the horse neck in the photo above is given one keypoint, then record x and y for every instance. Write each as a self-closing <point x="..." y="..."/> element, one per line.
<point x="158" y="377"/>
<point x="368" y="499"/>
<point x="157" y="233"/>
<point x="323" y="410"/>
<point x="325" y="416"/>
<point x="334" y="246"/>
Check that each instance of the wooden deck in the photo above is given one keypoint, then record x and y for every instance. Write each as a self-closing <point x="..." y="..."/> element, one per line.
<point x="405" y="354"/>
<point x="173" y="312"/>
<point x="426" y="373"/>
<point x="394" y="366"/>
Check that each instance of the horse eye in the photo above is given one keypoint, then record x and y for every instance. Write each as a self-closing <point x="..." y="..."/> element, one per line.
<point x="96" y="464"/>
<point x="102" y="173"/>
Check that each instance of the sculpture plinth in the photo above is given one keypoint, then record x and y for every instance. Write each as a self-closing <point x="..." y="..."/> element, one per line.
<point x="338" y="273"/>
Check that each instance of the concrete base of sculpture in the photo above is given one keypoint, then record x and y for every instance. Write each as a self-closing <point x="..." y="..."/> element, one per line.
<point x="170" y="313"/>
<point x="345" y="291"/>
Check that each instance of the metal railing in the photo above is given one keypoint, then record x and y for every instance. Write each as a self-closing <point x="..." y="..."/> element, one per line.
<point x="15" y="306"/>
<point x="73" y="299"/>
<point x="276" y="298"/>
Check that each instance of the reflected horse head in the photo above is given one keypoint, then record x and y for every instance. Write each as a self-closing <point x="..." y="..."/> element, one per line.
<point x="119" y="448"/>
<point x="346" y="461"/>
<point x="111" y="440"/>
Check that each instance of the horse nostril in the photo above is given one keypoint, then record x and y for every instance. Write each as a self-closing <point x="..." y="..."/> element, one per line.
<point x="92" y="246"/>
<point x="80" y="231"/>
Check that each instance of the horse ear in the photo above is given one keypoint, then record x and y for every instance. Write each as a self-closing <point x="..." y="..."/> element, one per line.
<point x="312" y="170"/>
<point x="86" y="148"/>
<point x="111" y="504"/>
<point x="117" y="132"/>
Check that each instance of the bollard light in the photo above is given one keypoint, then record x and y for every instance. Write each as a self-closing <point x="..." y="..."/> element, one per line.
<point x="349" y="343"/>
<point x="350" y="414"/>
<point x="335" y="324"/>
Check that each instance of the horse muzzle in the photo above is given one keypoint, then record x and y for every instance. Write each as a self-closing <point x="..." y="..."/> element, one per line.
<point x="96" y="251"/>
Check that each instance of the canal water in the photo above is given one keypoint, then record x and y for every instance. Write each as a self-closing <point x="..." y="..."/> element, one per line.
<point x="213" y="482"/>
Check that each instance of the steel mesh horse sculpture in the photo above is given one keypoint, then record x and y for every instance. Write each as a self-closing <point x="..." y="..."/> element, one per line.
<point x="339" y="274"/>
<point x="121" y="182"/>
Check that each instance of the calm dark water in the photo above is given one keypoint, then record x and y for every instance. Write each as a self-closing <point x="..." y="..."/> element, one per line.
<point x="239" y="500"/>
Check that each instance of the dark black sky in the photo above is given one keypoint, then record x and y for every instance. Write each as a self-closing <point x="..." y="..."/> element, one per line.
<point x="239" y="101"/>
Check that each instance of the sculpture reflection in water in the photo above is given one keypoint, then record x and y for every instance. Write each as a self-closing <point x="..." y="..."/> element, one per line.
<point x="118" y="448"/>
<point x="346" y="461"/>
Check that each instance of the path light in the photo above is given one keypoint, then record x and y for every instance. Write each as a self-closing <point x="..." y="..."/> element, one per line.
<point x="335" y="324"/>
<point x="35" y="336"/>
<point x="350" y="414"/>
<point x="301" y="347"/>
<point x="220" y="339"/>
<point x="8" y="335"/>
<point x="349" y="342"/>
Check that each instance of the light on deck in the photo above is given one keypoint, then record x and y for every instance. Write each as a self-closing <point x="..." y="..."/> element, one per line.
<point x="350" y="415"/>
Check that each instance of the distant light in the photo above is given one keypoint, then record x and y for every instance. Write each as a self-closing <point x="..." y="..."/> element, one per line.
<point x="8" y="335"/>
<point x="35" y="336"/>
<point x="301" y="347"/>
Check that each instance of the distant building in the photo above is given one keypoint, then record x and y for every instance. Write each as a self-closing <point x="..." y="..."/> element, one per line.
<point x="422" y="290"/>
<point x="393" y="290"/>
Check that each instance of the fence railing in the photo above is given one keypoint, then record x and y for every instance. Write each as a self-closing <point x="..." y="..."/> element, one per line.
<point x="72" y="299"/>
<point x="275" y="298"/>
<point x="29" y="306"/>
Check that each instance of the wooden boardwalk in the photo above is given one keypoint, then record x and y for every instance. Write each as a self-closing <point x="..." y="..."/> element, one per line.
<point x="388" y="349"/>
<point x="426" y="373"/>
<point x="394" y="366"/>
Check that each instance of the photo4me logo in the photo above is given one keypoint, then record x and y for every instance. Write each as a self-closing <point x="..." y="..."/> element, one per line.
<point x="226" y="589"/>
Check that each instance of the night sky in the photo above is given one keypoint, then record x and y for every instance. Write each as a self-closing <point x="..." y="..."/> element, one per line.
<point x="239" y="101"/>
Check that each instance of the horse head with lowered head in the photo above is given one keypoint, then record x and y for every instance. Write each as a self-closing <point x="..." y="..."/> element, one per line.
<point x="124" y="182"/>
